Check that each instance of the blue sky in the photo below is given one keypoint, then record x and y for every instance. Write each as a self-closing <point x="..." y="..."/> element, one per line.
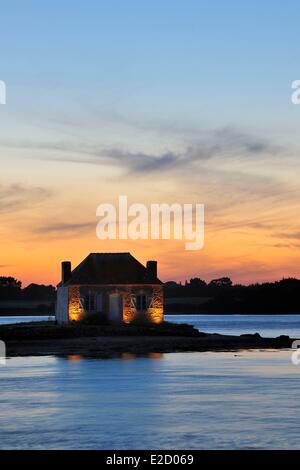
<point x="206" y="62"/>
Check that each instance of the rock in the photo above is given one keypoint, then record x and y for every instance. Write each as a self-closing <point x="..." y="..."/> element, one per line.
<point x="249" y="335"/>
<point x="283" y="337"/>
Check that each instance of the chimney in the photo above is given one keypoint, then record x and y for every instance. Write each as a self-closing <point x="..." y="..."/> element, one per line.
<point x="65" y="271"/>
<point x="152" y="268"/>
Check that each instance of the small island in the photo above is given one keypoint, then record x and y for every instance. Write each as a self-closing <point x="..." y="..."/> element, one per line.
<point x="106" y="341"/>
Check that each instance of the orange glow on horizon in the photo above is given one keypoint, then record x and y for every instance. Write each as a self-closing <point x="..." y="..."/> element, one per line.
<point x="243" y="257"/>
<point x="246" y="253"/>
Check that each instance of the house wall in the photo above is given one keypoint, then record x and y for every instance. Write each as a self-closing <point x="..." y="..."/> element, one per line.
<point x="62" y="304"/>
<point x="76" y="310"/>
<point x="154" y="312"/>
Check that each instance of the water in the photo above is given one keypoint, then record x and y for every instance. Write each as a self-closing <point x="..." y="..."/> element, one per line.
<point x="265" y="325"/>
<point x="244" y="400"/>
<point x="171" y="401"/>
<point x="24" y="319"/>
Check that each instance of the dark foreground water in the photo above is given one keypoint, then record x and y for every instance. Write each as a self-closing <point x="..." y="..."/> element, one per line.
<point x="173" y="401"/>
<point x="242" y="400"/>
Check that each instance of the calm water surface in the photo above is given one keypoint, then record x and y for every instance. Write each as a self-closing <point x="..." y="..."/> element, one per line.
<point x="266" y="325"/>
<point x="24" y="319"/>
<point x="181" y="401"/>
<point x="242" y="400"/>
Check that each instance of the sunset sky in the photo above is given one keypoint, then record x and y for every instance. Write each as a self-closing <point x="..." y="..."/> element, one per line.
<point x="162" y="101"/>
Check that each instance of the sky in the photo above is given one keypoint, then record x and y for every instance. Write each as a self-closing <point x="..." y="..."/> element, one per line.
<point x="173" y="101"/>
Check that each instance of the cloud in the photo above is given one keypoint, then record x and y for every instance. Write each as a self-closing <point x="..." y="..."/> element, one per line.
<point x="65" y="229"/>
<point x="221" y="144"/>
<point x="289" y="236"/>
<point x="141" y="162"/>
<point x="281" y="245"/>
<point x="292" y="236"/>
<point x="291" y="246"/>
<point x="16" y="197"/>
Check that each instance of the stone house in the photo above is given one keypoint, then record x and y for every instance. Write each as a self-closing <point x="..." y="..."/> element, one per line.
<point x="114" y="285"/>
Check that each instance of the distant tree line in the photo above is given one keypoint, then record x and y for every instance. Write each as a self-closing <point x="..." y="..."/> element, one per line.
<point x="219" y="296"/>
<point x="222" y="296"/>
<point x="11" y="289"/>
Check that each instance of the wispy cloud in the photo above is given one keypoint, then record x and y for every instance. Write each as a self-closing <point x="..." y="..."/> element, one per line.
<point x="289" y="235"/>
<point x="65" y="229"/>
<point x="291" y="246"/>
<point x="17" y="197"/>
<point x="221" y="144"/>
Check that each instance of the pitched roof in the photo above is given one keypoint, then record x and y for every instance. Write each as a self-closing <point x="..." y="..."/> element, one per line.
<point x="111" y="268"/>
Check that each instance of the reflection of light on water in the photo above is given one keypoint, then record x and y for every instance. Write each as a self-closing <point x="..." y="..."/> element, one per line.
<point x="74" y="357"/>
<point x="197" y="400"/>
<point x="127" y="356"/>
<point x="154" y="355"/>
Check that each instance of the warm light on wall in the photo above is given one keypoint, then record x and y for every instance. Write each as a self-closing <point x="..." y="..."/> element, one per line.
<point x="75" y="309"/>
<point x="156" y="313"/>
<point x="128" y="312"/>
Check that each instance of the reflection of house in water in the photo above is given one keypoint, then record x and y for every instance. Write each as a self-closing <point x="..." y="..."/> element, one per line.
<point x="113" y="285"/>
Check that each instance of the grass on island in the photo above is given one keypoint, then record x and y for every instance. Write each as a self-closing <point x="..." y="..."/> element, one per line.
<point x="89" y="327"/>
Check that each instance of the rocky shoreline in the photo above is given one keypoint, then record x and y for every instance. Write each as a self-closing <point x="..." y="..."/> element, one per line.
<point x="116" y="346"/>
<point x="47" y="338"/>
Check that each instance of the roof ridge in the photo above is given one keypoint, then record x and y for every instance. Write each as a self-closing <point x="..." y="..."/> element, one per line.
<point x="110" y="268"/>
<point x="112" y="253"/>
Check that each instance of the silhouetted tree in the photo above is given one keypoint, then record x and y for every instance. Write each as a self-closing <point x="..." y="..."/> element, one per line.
<point x="221" y="282"/>
<point x="9" y="281"/>
<point x="39" y="292"/>
<point x="10" y="288"/>
<point x="221" y="296"/>
<point x="197" y="282"/>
